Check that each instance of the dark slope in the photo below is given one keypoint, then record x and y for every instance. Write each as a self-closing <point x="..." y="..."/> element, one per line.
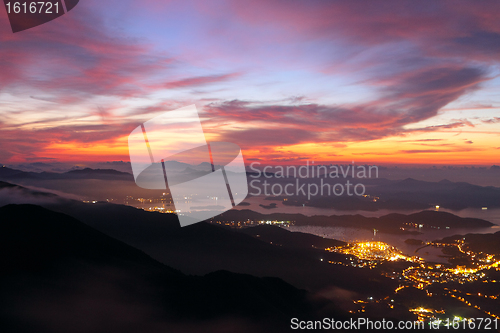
<point x="391" y="223"/>
<point x="393" y="194"/>
<point x="429" y="218"/>
<point x="87" y="173"/>
<point x="283" y="237"/>
<point x="351" y="203"/>
<point x="487" y="243"/>
<point x="59" y="275"/>
<point x="25" y="191"/>
<point x="203" y="248"/>
<point x="33" y="237"/>
<point x="4" y="185"/>
<point x="453" y="195"/>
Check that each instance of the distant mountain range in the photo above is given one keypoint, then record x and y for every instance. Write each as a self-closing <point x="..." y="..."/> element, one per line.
<point x="391" y="223"/>
<point x="453" y="195"/>
<point x="407" y="194"/>
<point x="87" y="173"/>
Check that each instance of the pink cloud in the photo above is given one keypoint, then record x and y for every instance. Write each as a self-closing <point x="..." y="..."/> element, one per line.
<point x="198" y="81"/>
<point x="417" y="58"/>
<point x="405" y="100"/>
<point x="73" y="58"/>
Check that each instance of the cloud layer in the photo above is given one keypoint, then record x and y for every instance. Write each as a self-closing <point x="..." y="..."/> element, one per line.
<point x="362" y="71"/>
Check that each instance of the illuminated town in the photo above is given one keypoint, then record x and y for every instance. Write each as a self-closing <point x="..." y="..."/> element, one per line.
<point x="372" y="253"/>
<point x="251" y="223"/>
<point x="422" y="276"/>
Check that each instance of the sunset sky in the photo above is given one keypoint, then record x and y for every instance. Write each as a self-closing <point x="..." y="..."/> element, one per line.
<point x="288" y="81"/>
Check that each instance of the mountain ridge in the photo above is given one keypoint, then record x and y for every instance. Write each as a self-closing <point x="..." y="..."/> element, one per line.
<point x="61" y="275"/>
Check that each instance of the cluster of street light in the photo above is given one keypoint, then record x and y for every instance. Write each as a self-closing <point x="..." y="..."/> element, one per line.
<point x="422" y="275"/>
<point x="250" y="223"/>
<point x="369" y="254"/>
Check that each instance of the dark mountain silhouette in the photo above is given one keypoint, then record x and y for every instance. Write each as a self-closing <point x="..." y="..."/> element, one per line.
<point x="4" y="185"/>
<point x="203" y="248"/>
<point x="282" y="237"/>
<point x="34" y="236"/>
<point x="87" y="173"/>
<point x="89" y="184"/>
<point x="349" y="203"/>
<point x="429" y="218"/>
<point x="392" y="194"/>
<point x="391" y="223"/>
<point x="22" y="191"/>
<point x="97" y="174"/>
<point x="447" y="194"/>
<point x="60" y="275"/>
<point x="409" y="194"/>
<point x="406" y="194"/>
<point x="487" y="243"/>
<point x="6" y="172"/>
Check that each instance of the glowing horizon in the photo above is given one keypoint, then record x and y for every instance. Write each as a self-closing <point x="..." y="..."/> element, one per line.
<point x="370" y="82"/>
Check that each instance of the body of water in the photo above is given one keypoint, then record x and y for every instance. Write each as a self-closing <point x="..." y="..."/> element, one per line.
<point x="491" y="215"/>
<point x="356" y="234"/>
<point x="398" y="241"/>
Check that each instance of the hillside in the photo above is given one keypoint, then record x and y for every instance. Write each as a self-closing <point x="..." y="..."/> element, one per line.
<point x="60" y="275"/>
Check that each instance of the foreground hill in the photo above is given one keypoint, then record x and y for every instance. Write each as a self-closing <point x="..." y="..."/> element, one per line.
<point x="282" y="237"/>
<point x="203" y="248"/>
<point x="60" y="275"/>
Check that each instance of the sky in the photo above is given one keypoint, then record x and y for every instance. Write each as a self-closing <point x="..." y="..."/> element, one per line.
<point x="379" y="82"/>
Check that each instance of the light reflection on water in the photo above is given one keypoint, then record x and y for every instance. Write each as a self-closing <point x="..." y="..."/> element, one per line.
<point x="356" y="234"/>
<point x="398" y="241"/>
<point x="492" y="215"/>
